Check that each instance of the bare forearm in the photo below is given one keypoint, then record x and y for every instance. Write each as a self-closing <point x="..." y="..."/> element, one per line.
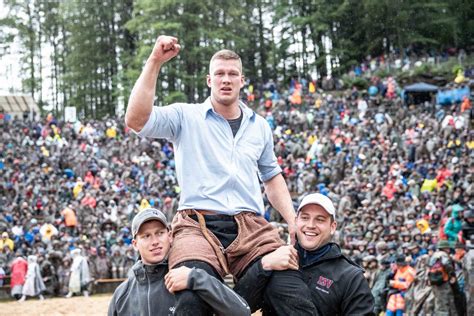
<point x="140" y="103"/>
<point x="279" y="196"/>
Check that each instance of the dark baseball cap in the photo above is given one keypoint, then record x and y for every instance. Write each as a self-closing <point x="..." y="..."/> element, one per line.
<point x="146" y="215"/>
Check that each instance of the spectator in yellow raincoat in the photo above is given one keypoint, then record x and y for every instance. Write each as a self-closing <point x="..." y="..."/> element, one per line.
<point x="6" y="241"/>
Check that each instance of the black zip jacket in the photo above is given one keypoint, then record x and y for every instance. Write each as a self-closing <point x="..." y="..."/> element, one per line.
<point x="337" y="284"/>
<point x="145" y="293"/>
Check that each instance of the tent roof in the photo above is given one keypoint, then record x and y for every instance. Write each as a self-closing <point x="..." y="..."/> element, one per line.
<point x="421" y="87"/>
<point x="17" y="104"/>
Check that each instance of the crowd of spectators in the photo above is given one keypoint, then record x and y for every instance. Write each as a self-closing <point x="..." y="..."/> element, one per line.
<point x="400" y="175"/>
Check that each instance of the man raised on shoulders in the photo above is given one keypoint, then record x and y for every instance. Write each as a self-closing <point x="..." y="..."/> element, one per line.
<point x="223" y="150"/>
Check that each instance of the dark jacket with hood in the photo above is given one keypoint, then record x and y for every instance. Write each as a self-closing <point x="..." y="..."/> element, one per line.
<point x="145" y="293"/>
<point x="337" y="284"/>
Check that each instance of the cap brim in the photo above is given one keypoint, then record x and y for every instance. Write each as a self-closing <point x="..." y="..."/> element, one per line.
<point x="154" y="218"/>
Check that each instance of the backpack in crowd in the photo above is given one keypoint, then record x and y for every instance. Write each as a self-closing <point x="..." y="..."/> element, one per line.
<point x="437" y="274"/>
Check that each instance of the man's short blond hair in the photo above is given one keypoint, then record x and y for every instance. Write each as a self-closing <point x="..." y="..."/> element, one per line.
<point x="226" y="54"/>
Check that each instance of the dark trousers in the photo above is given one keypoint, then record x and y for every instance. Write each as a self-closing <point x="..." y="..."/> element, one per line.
<point x="226" y="230"/>
<point x="282" y="293"/>
<point x="188" y="302"/>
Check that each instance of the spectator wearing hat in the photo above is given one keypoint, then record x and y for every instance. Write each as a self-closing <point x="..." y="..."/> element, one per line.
<point x="19" y="267"/>
<point x="337" y="284"/>
<point x="102" y="263"/>
<point x="93" y="274"/>
<point x="80" y="278"/>
<point x="404" y="276"/>
<point x="150" y="274"/>
<point x="50" y="277"/>
<point x="34" y="285"/>
<point x="442" y="278"/>
<point x="370" y="265"/>
<point x="418" y="298"/>
<point x="413" y="253"/>
<point x="64" y="273"/>
<point x="381" y="285"/>
<point x="117" y="263"/>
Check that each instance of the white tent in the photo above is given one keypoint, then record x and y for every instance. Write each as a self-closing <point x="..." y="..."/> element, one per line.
<point x="18" y="106"/>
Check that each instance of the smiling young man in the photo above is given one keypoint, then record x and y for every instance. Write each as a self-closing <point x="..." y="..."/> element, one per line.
<point x="223" y="150"/>
<point x="336" y="283"/>
<point x="150" y="287"/>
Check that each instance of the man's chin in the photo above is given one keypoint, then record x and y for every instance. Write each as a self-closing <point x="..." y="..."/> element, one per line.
<point x="156" y="259"/>
<point x="226" y="100"/>
<point x="310" y="246"/>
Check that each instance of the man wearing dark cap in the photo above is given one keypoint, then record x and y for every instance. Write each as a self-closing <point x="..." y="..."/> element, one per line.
<point x="150" y="285"/>
<point x="441" y="276"/>
<point x="400" y="283"/>
<point x="380" y="288"/>
<point x="337" y="284"/>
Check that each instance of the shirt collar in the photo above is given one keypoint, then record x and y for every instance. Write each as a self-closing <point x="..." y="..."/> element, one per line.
<point x="207" y="108"/>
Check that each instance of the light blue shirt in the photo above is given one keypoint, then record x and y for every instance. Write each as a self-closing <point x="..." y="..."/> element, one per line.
<point x="216" y="171"/>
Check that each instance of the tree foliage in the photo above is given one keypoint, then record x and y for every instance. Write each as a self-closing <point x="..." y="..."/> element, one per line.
<point x="88" y="54"/>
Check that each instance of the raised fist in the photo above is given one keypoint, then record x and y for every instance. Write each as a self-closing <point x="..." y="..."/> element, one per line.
<point x="166" y="47"/>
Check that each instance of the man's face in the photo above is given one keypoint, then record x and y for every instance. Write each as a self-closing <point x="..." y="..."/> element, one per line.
<point x="152" y="241"/>
<point x="314" y="227"/>
<point x="225" y="80"/>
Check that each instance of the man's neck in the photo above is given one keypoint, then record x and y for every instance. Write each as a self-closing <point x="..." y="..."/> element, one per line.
<point x="229" y="112"/>
<point x="308" y="257"/>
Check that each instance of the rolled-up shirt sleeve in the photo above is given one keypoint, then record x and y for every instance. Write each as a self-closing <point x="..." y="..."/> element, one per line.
<point x="164" y="122"/>
<point x="267" y="163"/>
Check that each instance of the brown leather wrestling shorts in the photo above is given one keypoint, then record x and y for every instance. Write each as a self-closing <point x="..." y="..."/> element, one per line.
<point x="193" y="241"/>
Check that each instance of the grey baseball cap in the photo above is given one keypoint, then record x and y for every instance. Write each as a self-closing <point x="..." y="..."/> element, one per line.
<point x="146" y="215"/>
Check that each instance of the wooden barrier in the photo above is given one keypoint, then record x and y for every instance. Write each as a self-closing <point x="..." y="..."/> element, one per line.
<point x="102" y="286"/>
<point x="107" y="285"/>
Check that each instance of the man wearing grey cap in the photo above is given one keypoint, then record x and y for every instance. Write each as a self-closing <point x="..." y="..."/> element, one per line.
<point x="150" y="287"/>
<point x="337" y="284"/>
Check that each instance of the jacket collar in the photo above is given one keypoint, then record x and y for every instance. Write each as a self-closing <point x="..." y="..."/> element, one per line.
<point x="143" y="272"/>
<point x="309" y="258"/>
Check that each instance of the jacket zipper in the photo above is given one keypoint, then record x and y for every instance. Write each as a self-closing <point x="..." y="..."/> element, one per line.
<point x="148" y="295"/>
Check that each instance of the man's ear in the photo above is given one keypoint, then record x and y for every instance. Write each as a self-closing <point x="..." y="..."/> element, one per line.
<point x="134" y="244"/>
<point x="333" y="227"/>
<point x="170" y="236"/>
<point x="208" y="80"/>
